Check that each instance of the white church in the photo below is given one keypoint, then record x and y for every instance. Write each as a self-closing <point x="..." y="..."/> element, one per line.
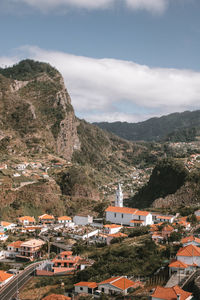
<point x="126" y="216"/>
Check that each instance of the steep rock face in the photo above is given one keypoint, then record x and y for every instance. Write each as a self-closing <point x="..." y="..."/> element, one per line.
<point x="36" y="114"/>
<point x="185" y="196"/>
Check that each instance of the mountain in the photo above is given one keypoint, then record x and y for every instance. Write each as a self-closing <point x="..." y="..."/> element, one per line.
<point x="66" y="159"/>
<point x="173" y="127"/>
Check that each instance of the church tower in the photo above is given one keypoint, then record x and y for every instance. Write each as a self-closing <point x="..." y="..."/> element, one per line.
<point x="119" y="197"/>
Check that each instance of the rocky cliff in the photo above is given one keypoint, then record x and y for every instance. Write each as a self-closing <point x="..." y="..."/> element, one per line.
<point x="36" y="114"/>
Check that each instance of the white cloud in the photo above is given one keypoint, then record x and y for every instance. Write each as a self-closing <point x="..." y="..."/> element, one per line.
<point x="110" y="89"/>
<point x="156" y="6"/>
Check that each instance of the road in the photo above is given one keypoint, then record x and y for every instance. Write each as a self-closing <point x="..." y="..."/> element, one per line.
<point x="10" y="290"/>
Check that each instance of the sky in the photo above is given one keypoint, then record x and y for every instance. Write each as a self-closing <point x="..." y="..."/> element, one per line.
<point x="122" y="60"/>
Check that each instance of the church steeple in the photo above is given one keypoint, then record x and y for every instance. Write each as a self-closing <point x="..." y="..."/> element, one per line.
<point x="119" y="197"/>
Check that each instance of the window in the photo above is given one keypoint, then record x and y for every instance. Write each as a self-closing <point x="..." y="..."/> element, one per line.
<point x="115" y="215"/>
<point x="122" y="216"/>
<point x="102" y="289"/>
<point x="81" y="288"/>
<point x="139" y="217"/>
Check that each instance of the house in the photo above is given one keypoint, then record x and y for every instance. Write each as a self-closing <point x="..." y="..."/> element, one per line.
<point x="115" y="235"/>
<point x="66" y="260"/>
<point x="85" y="287"/>
<point x="26" y="220"/>
<point x="157" y="237"/>
<point x="7" y="225"/>
<point x="171" y="293"/>
<point x="3" y="167"/>
<point x="31" y="248"/>
<point x="189" y="255"/>
<point x="117" y="285"/>
<point x="3" y="236"/>
<point x="124" y="216"/>
<point x="180" y="267"/>
<point x="56" y="297"/>
<point x="46" y="219"/>
<point x="163" y="218"/>
<point x="191" y="240"/>
<point x="82" y="220"/>
<point x="4" y="277"/>
<point x="13" y="249"/>
<point x="64" y="220"/>
<point x="166" y="231"/>
<point x="112" y="228"/>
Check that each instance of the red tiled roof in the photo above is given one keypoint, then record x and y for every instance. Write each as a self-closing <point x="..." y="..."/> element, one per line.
<point x="46" y="217"/>
<point x="170" y="293"/>
<point x="15" y="244"/>
<point x="4" y="276"/>
<point x="118" y="234"/>
<point x="190" y="239"/>
<point x="112" y="226"/>
<point x="168" y="228"/>
<point x="64" y="218"/>
<point x="120" y="282"/>
<point x="189" y="250"/>
<point x="125" y="210"/>
<point x="137" y="221"/>
<point x="178" y="264"/>
<point x="28" y="218"/>
<point x="142" y="213"/>
<point x="91" y="285"/>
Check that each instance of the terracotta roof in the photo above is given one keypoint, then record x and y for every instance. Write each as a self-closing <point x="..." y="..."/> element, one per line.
<point x="28" y="218"/>
<point x="112" y="226"/>
<point x="91" y="285"/>
<point x="64" y="218"/>
<point x="137" y="221"/>
<point x="4" y="276"/>
<point x="178" y="264"/>
<point x="164" y="217"/>
<point x="120" y="282"/>
<point x="56" y="297"/>
<point x="190" y="239"/>
<point x="65" y="253"/>
<point x="125" y="210"/>
<point x="15" y="244"/>
<point x="118" y="234"/>
<point x="142" y="213"/>
<point x="3" y="223"/>
<point x="46" y="217"/>
<point x="189" y="250"/>
<point x="33" y="243"/>
<point x="168" y="228"/>
<point x="170" y="293"/>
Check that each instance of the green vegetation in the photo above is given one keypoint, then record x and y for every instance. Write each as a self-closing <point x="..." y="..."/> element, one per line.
<point x="28" y="69"/>
<point x="167" y="177"/>
<point x="174" y="127"/>
<point x="141" y="257"/>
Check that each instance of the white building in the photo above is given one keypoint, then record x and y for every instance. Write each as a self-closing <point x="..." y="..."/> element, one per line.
<point x="128" y="216"/>
<point x="116" y="285"/>
<point x="197" y="213"/>
<point x="7" y="225"/>
<point x="190" y="240"/>
<point x="85" y="287"/>
<point x="4" y="277"/>
<point x="119" y="197"/>
<point x="112" y="228"/>
<point x="64" y="220"/>
<point x="82" y="220"/>
<point x="157" y="218"/>
<point x="189" y="255"/>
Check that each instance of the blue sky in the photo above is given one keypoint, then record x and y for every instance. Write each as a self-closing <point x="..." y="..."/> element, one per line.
<point x="122" y="60"/>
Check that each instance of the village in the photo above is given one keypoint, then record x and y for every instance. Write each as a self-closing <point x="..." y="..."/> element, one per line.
<point x="51" y="241"/>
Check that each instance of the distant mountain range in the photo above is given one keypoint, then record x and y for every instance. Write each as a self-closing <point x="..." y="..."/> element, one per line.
<point x="184" y="127"/>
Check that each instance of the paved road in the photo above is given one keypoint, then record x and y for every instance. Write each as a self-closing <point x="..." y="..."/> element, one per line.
<point x="9" y="291"/>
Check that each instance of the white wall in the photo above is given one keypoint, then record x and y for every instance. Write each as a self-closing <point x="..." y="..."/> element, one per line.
<point x="82" y="220"/>
<point x="81" y="289"/>
<point x="119" y="218"/>
<point x="189" y="260"/>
